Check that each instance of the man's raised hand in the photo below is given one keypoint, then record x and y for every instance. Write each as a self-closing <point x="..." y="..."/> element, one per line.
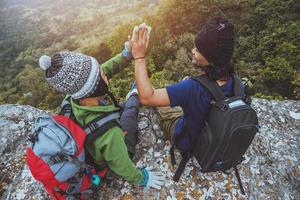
<point x="140" y="40"/>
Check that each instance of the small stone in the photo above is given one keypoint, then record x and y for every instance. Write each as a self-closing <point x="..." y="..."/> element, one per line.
<point x="196" y="194"/>
<point x="143" y="124"/>
<point x="157" y="154"/>
<point x="128" y="196"/>
<point x="180" y="195"/>
<point x="155" y="127"/>
<point x="295" y="115"/>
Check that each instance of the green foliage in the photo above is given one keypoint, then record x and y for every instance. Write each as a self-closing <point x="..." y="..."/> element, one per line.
<point x="101" y="52"/>
<point x="160" y="79"/>
<point x="120" y="35"/>
<point x="32" y="89"/>
<point x="32" y="28"/>
<point x="121" y="83"/>
<point x="36" y="89"/>
<point x="267" y="48"/>
<point x="269" y="97"/>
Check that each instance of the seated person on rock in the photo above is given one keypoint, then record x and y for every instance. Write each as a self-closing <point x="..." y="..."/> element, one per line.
<point x="190" y="101"/>
<point x="86" y="84"/>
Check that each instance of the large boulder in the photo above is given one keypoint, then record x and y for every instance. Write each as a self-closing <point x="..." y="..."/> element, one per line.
<point x="271" y="169"/>
<point x="15" y="178"/>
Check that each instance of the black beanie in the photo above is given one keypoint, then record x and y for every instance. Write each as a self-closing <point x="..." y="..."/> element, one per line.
<point x="216" y="40"/>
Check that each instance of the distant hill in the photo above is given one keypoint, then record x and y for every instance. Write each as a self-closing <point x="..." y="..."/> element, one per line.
<point x="53" y="25"/>
<point x="30" y="28"/>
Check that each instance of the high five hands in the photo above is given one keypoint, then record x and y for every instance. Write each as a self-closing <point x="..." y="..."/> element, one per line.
<point x="140" y="41"/>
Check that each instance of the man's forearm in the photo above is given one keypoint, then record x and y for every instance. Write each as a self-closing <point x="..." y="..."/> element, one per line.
<point x="143" y="82"/>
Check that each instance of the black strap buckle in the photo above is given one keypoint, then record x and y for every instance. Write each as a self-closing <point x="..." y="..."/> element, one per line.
<point x="222" y="106"/>
<point x="59" y="157"/>
<point x="92" y="127"/>
<point x="33" y="137"/>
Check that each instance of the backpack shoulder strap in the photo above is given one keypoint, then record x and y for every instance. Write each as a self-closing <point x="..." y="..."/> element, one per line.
<point x="99" y="128"/>
<point x="101" y="121"/>
<point x="212" y="87"/>
<point x="65" y="107"/>
<point x="237" y="84"/>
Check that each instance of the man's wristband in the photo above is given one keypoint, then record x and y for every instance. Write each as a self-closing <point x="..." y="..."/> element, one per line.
<point x="139" y="58"/>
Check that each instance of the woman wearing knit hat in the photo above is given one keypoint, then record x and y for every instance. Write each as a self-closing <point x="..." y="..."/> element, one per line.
<point x="86" y="84"/>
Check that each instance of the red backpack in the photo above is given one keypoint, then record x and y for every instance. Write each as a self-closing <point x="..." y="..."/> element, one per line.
<point x="56" y="154"/>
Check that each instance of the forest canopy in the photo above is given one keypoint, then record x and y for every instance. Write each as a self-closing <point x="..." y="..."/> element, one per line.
<point x="267" y="49"/>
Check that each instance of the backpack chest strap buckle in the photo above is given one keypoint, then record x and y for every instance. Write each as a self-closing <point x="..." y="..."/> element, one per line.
<point x="57" y="158"/>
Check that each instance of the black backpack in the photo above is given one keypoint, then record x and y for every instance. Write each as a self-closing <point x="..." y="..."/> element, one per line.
<point x="229" y="129"/>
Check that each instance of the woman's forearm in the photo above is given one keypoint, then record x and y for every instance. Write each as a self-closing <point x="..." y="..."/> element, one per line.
<point x="114" y="65"/>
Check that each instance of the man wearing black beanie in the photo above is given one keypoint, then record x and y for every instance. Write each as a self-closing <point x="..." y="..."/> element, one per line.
<point x="216" y="42"/>
<point x="214" y="46"/>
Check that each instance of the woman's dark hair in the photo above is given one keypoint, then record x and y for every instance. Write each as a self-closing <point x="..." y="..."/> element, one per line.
<point x="56" y="65"/>
<point x="100" y="90"/>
